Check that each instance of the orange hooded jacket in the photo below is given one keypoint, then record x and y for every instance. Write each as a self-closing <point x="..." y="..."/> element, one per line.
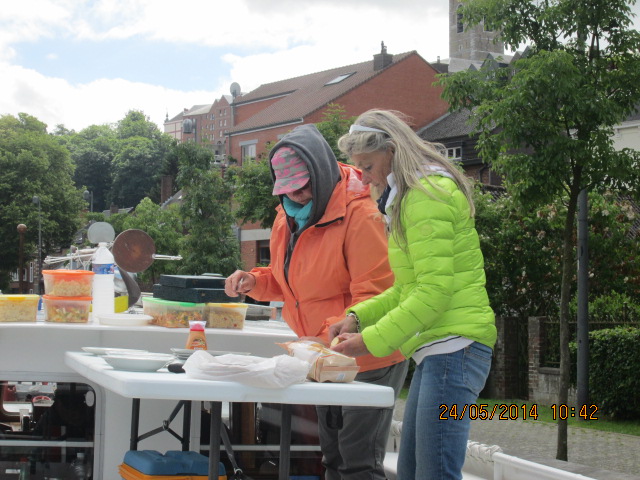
<point x="337" y="262"/>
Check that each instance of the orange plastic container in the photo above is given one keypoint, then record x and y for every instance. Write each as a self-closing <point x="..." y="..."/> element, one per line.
<point x="66" y="309"/>
<point x="68" y="283"/>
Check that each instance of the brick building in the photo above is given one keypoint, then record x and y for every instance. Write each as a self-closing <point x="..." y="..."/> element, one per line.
<point x="205" y="124"/>
<point x="402" y="82"/>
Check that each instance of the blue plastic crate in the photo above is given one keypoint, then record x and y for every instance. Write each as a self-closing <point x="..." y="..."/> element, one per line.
<point x="174" y="462"/>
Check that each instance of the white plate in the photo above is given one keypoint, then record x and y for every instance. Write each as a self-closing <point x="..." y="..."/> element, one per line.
<point x="109" y="350"/>
<point x="124" y="319"/>
<point x="149" y="362"/>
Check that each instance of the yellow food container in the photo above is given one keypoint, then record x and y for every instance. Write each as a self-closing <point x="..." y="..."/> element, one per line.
<point x="18" y="308"/>
<point x="226" y="315"/>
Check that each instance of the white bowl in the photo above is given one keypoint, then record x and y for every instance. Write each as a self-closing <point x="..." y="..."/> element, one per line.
<point x="149" y="362"/>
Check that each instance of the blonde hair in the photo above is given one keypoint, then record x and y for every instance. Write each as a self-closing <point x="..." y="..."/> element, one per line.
<point x="412" y="158"/>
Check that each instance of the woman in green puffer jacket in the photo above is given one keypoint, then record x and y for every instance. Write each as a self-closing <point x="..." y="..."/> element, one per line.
<point x="437" y="312"/>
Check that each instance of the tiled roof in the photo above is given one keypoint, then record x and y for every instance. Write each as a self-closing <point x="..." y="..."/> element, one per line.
<point x="450" y="125"/>
<point x="304" y="95"/>
<point x="176" y="118"/>
<point x="456" y="124"/>
<point x="440" y="67"/>
<point x="198" y="110"/>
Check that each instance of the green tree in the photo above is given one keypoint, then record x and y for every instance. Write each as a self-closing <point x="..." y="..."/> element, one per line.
<point x="34" y="163"/>
<point x="139" y="161"/>
<point x="335" y="124"/>
<point x="253" y="198"/>
<point x="136" y="124"/>
<point x="135" y="171"/>
<point x="209" y="245"/>
<point x="523" y="251"/>
<point x="546" y="124"/>
<point x="93" y="149"/>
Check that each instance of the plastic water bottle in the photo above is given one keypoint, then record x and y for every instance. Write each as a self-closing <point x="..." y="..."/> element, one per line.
<point x="78" y="467"/>
<point x="102" y="264"/>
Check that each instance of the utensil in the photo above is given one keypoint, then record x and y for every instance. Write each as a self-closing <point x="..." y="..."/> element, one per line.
<point x="135" y="251"/>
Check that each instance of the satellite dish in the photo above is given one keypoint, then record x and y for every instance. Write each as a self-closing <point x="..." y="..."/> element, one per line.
<point x="235" y="89"/>
<point x="101" y="232"/>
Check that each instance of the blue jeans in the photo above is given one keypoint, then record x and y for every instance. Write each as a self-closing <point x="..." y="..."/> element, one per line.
<point x="432" y="448"/>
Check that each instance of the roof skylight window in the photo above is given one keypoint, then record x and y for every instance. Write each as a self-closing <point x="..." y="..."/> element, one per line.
<point x="339" y="78"/>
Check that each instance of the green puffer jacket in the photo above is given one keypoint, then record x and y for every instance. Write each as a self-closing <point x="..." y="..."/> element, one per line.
<point x="439" y="287"/>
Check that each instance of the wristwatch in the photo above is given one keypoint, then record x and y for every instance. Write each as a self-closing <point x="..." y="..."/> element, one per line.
<point x="355" y="316"/>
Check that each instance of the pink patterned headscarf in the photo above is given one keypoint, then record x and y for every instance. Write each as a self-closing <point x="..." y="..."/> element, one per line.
<point x="290" y="171"/>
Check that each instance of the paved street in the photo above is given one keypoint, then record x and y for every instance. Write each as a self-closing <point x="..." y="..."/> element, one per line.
<point x="601" y="455"/>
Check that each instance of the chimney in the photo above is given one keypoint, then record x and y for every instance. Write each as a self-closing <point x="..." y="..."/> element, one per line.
<point x="166" y="184"/>
<point x="382" y="59"/>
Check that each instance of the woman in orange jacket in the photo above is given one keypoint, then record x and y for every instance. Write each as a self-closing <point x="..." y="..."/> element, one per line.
<point x="319" y="268"/>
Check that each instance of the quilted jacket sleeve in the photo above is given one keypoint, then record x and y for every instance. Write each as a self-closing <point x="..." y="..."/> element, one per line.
<point x="424" y="275"/>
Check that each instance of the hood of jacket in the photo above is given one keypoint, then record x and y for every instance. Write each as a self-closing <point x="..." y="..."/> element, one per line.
<point x="313" y="149"/>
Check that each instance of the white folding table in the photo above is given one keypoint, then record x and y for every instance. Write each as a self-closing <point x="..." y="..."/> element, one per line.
<point x="171" y="386"/>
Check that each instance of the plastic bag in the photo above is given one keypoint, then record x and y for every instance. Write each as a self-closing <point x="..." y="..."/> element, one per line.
<point x="276" y="372"/>
<point x="326" y="365"/>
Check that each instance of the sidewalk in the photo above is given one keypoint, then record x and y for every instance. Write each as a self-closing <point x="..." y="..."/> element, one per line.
<point x="601" y="455"/>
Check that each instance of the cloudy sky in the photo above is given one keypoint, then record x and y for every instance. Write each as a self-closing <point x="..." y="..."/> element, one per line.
<point x="84" y="62"/>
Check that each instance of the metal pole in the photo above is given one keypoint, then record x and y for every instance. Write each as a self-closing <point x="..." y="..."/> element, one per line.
<point x="36" y="199"/>
<point x="21" y="229"/>
<point x="582" y="393"/>
<point x="88" y="196"/>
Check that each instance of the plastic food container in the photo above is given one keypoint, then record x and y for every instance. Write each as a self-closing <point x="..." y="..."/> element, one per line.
<point x="68" y="283"/>
<point x="66" y="309"/>
<point x="18" y="308"/>
<point x="226" y="315"/>
<point x="167" y="313"/>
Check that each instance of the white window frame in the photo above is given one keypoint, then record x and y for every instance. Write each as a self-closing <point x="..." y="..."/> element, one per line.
<point x="248" y="150"/>
<point x="454" y="153"/>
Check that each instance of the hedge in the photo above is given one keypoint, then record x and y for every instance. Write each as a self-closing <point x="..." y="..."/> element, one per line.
<point x="614" y="371"/>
